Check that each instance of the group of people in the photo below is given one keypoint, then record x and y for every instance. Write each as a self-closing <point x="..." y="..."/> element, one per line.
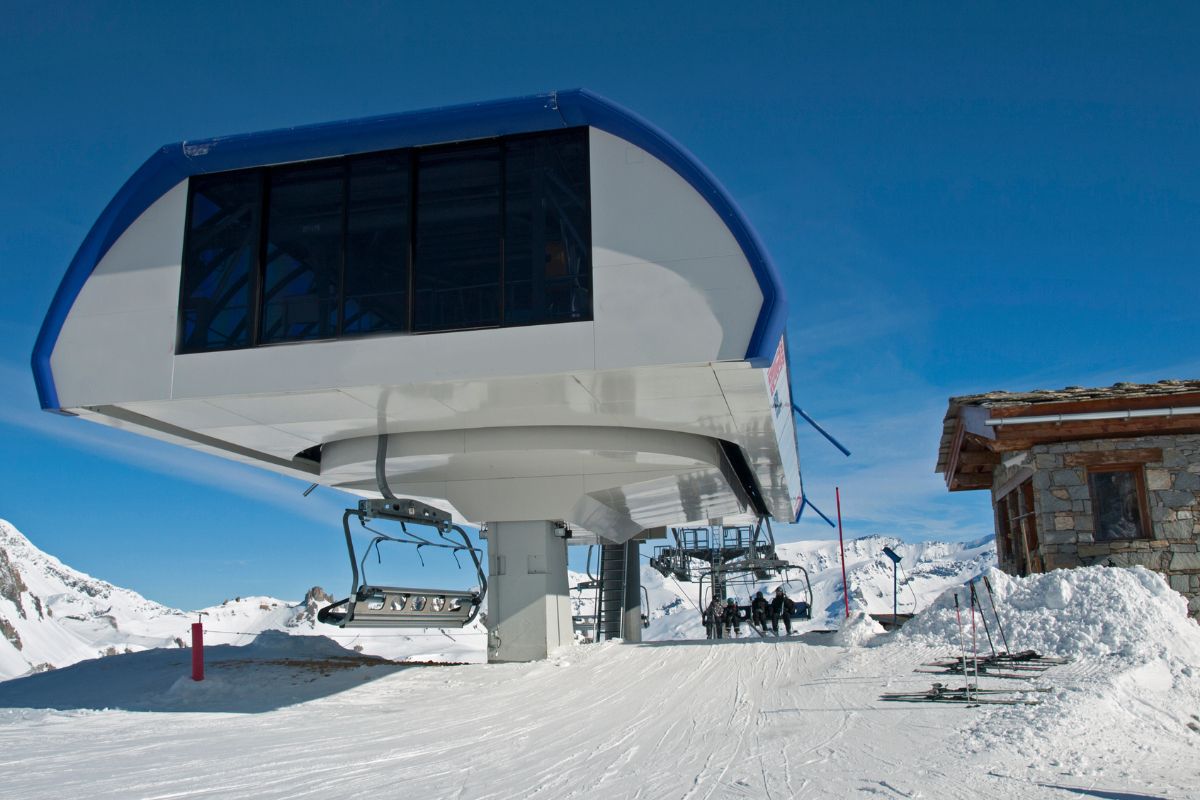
<point x="726" y="620"/>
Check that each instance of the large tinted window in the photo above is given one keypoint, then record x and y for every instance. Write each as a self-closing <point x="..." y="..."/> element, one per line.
<point x="416" y="240"/>
<point x="457" y="243"/>
<point x="376" y="276"/>
<point x="303" y="257"/>
<point x="547" y="254"/>
<point x="219" y="262"/>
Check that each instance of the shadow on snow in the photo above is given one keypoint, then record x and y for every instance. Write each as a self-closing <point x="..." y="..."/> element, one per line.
<point x="273" y="671"/>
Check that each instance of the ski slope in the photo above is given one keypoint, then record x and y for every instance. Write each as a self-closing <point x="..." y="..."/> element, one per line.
<point x="286" y="716"/>
<point x="778" y="719"/>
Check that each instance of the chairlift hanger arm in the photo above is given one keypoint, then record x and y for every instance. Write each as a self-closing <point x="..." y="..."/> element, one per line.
<point x="798" y="410"/>
<point x="806" y="502"/>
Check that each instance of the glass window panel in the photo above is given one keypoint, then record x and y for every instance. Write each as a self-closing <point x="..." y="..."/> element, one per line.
<point x="222" y="243"/>
<point x="1116" y="506"/>
<point x="303" y="254"/>
<point x="547" y="245"/>
<point x="376" y="277"/>
<point x="457" y="243"/>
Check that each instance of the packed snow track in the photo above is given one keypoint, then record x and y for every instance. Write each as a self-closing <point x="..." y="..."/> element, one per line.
<point x="743" y="718"/>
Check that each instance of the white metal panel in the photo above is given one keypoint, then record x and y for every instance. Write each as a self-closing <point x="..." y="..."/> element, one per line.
<point x="644" y="384"/>
<point x="106" y="359"/>
<point x="295" y="407"/>
<point x="671" y="285"/>
<point x="118" y="340"/>
<point x="262" y="438"/>
<point x="388" y="360"/>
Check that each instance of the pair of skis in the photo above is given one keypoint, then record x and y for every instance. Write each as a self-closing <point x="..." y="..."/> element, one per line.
<point x="1022" y="665"/>
<point x="981" y="670"/>
<point x="968" y="694"/>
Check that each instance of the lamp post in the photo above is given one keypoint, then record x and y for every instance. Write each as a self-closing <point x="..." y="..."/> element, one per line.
<point x="890" y="553"/>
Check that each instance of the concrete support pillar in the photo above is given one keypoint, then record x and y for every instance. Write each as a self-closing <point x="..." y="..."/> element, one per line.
<point x="631" y="622"/>
<point x="529" y="609"/>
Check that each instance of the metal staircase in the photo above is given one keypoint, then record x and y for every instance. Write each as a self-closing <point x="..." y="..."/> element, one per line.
<point x="612" y="589"/>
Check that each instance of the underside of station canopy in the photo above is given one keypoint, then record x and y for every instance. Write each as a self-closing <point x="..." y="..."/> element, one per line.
<point x="550" y="309"/>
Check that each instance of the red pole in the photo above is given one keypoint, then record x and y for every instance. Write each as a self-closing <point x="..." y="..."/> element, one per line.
<point x="197" y="651"/>
<point x="842" y="544"/>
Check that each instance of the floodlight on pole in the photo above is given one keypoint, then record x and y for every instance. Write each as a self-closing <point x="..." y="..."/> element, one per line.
<point x="890" y="553"/>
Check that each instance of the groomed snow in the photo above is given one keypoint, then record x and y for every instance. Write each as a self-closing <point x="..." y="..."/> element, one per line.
<point x="783" y="718"/>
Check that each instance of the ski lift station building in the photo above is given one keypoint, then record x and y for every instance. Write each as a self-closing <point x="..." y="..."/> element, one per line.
<point x="543" y="312"/>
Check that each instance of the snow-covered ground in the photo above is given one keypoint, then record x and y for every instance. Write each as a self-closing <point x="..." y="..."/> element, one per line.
<point x="786" y="718"/>
<point x="288" y="716"/>
<point x="52" y="616"/>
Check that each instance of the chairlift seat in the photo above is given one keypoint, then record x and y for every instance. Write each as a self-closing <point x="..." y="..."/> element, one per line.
<point x="402" y="607"/>
<point x="370" y="606"/>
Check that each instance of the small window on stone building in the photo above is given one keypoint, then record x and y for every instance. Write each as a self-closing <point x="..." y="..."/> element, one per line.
<point x="1118" y="496"/>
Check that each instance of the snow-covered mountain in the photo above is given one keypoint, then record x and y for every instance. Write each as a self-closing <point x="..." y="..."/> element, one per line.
<point x="927" y="570"/>
<point x="52" y="615"/>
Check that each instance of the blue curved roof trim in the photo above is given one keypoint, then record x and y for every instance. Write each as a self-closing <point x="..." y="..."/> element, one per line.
<point x="174" y="163"/>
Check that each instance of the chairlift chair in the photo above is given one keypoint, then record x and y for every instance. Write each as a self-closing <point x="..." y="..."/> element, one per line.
<point x="400" y="606"/>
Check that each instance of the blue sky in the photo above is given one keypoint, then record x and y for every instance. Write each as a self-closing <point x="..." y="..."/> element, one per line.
<point x="961" y="197"/>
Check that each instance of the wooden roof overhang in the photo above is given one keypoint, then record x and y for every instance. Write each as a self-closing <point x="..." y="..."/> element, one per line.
<point x="975" y="436"/>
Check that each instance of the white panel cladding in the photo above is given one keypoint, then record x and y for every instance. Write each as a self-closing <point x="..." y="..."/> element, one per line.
<point x="675" y="302"/>
<point x="118" y="341"/>
<point x="390" y="360"/>
<point x="612" y="481"/>
<point x="671" y="285"/>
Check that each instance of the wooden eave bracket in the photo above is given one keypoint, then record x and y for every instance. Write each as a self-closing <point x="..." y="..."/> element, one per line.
<point x="971" y="430"/>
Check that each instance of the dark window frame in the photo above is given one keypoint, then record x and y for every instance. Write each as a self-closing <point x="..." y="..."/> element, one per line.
<point x="410" y="217"/>
<point x="1138" y="471"/>
<point x="254" y="268"/>
<point x="414" y="222"/>
<point x="257" y="268"/>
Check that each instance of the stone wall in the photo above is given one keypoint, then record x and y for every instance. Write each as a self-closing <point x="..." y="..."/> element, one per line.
<point x="1063" y="504"/>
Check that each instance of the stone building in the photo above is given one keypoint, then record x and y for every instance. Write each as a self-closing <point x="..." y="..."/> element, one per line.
<point x="1085" y="476"/>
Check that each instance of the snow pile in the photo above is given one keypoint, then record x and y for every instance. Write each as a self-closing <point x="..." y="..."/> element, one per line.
<point x="1085" y="612"/>
<point x="1132" y="684"/>
<point x="856" y="631"/>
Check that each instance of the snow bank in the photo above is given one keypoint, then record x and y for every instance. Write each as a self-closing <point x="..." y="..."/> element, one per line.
<point x="1082" y="612"/>
<point x="857" y="631"/>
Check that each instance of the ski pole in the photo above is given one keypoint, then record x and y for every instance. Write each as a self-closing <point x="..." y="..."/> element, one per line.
<point x="974" y="647"/>
<point x="982" y="616"/>
<point x="962" y="646"/>
<point x="991" y="599"/>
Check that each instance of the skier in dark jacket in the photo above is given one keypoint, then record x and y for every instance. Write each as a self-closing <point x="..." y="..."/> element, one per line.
<point x="714" y="619"/>
<point x="781" y="609"/>
<point x="733" y="618"/>
<point x="759" y="610"/>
